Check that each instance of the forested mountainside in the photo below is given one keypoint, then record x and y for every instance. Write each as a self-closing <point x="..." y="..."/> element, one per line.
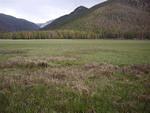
<point x="124" y="18"/>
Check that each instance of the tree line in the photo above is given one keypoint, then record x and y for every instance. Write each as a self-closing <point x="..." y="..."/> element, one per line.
<point x="72" y="34"/>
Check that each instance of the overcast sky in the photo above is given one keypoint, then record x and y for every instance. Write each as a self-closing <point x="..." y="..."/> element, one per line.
<point x="40" y="11"/>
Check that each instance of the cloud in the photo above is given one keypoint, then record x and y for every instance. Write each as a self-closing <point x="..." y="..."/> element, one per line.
<point x="40" y="11"/>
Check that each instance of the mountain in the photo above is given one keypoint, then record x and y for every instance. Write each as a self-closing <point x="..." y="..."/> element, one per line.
<point x="67" y="18"/>
<point x="118" y="17"/>
<point x="142" y="4"/>
<point x="12" y="24"/>
<point x="41" y="25"/>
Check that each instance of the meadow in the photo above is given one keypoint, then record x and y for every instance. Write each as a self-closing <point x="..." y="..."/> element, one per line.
<point x="74" y="76"/>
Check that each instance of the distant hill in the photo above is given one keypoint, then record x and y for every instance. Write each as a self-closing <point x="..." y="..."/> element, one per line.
<point x="110" y="17"/>
<point x="41" y="25"/>
<point x="12" y="24"/>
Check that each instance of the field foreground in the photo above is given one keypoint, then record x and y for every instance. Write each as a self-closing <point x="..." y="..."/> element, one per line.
<point x="74" y="76"/>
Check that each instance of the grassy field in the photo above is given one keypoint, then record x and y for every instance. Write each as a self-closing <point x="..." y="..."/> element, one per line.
<point x="74" y="76"/>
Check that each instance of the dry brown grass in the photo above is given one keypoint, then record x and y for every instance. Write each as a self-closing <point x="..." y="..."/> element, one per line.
<point x="33" y="62"/>
<point x="101" y="69"/>
<point x="137" y="70"/>
<point x="73" y="77"/>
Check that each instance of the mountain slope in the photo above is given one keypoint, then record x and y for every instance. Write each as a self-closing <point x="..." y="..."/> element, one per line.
<point x="66" y="18"/>
<point x="113" y="17"/>
<point x="141" y="4"/>
<point x="12" y="24"/>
